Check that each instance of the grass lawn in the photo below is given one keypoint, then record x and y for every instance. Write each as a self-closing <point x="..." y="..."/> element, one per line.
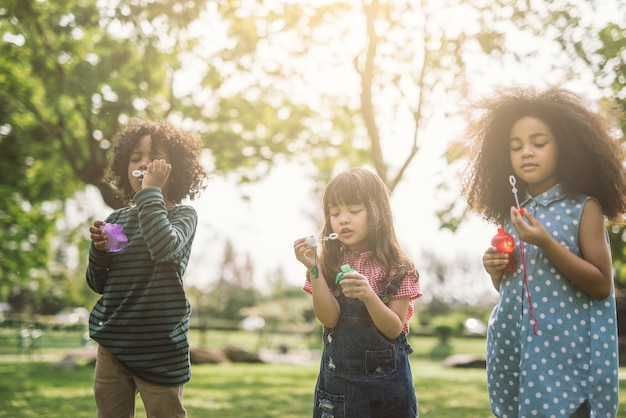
<point x="33" y="388"/>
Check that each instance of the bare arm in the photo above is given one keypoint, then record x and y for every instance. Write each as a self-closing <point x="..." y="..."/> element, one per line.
<point x="593" y="271"/>
<point x="325" y="305"/>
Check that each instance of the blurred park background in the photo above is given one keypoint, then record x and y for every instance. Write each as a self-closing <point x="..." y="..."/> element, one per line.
<point x="284" y="94"/>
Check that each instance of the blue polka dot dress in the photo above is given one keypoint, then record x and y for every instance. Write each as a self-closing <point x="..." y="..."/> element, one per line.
<point x="573" y="357"/>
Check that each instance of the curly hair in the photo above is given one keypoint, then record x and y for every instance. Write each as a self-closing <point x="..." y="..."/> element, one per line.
<point x="360" y="186"/>
<point x="589" y="159"/>
<point x="187" y="178"/>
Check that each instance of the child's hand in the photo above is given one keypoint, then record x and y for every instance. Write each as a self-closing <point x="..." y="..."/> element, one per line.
<point x="495" y="262"/>
<point x="304" y="253"/>
<point x="355" y="285"/>
<point x="98" y="236"/>
<point x="157" y="174"/>
<point x="529" y="230"/>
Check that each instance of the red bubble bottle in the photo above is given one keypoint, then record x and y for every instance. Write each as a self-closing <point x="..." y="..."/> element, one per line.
<point x="505" y="243"/>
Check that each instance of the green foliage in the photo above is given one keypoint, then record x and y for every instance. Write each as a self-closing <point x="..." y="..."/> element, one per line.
<point x="610" y="70"/>
<point x="445" y="327"/>
<point x="286" y="308"/>
<point x="74" y="70"/>
<point x="226" y="297"/>
<point x="589" y="49"/>
<point x="66" y="82"/>
<point x="233" y="290"/>
<point x="284" y="314"/>
<point x="24" y="241"/>
<point x="226" y="300"/>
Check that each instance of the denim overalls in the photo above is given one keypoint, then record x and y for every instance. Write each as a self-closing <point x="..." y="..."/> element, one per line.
<point x="362" y="373"/>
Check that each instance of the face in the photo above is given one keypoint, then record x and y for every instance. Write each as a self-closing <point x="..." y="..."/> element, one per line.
<point x="533" y="151"/>
<point x="140" y="157"/>
<point x="350" y="222"/>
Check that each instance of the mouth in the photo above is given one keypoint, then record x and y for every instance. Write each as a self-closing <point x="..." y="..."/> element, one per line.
<point x="529" y="166"/>
<point x="345" y="232"/>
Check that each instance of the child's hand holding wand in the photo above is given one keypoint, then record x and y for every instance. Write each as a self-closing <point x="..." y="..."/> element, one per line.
<point x="529" y="230"/>
<point x="157" y="174"/>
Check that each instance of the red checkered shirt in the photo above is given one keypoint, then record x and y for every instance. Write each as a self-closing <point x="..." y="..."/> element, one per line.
<point x="364" y="263"/>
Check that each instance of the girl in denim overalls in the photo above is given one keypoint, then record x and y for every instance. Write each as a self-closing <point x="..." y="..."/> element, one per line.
<point x="364" y="369"/>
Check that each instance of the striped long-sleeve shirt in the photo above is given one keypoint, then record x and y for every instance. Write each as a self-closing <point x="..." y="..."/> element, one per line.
<point x="142" y="317"/>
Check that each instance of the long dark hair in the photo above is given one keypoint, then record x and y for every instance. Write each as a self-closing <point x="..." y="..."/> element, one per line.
<point x="361" y="186"/>
<point x="589" y="159"/>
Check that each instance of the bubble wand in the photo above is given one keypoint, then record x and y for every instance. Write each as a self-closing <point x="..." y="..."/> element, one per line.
<point x="512" y="182"/>
<point x="503" y="241"/>
<point x="533" y="320"/>
<point x="312" y="242"/>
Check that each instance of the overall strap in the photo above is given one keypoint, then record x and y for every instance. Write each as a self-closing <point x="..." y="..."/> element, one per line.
<point x="392" y="288"/>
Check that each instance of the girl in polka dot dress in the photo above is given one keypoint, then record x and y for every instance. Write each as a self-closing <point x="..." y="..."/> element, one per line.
<point x="552" y="338"/>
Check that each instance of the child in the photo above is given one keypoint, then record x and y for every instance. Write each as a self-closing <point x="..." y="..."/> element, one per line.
<point x="141" y="321"/>
<point x="364" y="369"/>
<point x="552" y="338"/>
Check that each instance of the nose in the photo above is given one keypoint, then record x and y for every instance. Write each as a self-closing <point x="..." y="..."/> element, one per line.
<point x="527" y="150"/>
<point x="143" y="164"/>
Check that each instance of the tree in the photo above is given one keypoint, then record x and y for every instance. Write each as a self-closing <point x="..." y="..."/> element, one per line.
<point x="72" y="72"/>
<point x="233" y="289"/>
<point x="241" y="74"/>
<point x="595" y="50"/>
<point x="608" y="61"/>
<point x="395" y="60"/>
<point x="75" y="70"/>
<point x="68" y="77"/>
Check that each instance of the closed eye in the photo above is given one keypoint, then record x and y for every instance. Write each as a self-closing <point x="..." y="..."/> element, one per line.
<point x="515" y="145"/>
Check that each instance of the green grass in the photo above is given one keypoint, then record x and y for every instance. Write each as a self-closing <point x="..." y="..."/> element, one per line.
<point x="32" y="388"/>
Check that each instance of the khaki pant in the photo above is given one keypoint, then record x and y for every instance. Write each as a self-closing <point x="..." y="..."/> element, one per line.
<point x="115" y="390"/>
